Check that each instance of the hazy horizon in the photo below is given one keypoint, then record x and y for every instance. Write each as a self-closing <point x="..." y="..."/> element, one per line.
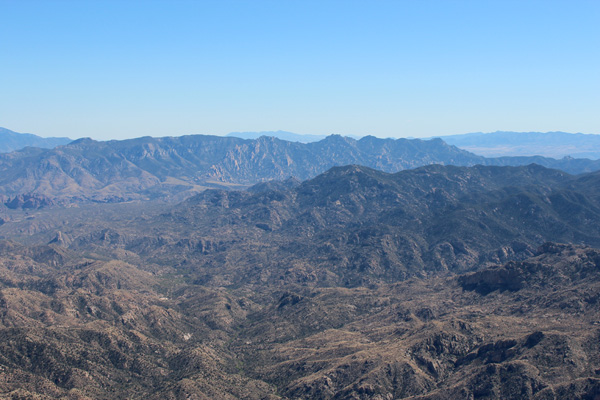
<point x="293" y="133"/>
<point x="118" y="70"/>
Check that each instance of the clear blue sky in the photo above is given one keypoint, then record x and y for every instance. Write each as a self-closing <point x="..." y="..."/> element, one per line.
<point x="121" y="69"/>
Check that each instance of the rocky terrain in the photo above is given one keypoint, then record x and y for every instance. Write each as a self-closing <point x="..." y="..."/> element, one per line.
<point x="352" y="226"/>
<point x="174" y="168"/>
<point x="439" y="282"/>
<point x="84" y="328"/>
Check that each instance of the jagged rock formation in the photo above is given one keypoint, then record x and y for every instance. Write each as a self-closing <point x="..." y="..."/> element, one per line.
<point x="176" y="167"/>
<point x="27" y="201"/>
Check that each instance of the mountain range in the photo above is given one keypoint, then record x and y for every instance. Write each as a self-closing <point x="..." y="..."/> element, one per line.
<point x="11" y="141"/>
<point x="439" y="282"/>
<point x="355" y="226"/>
<point x="174" y="168"/>
<point x="203" y="267"/>
<point x="494" y="144"/>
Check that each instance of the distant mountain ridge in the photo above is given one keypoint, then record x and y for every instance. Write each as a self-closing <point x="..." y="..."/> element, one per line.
<point x="11" y="141"/>
<point x="548" y="144"/>
<point x="284" y="135"/>
<point x="494" y="144"/>
<point x="176" y="167"/>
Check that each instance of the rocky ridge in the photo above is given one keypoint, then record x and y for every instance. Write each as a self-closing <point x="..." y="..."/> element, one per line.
<point x="176" y="167"/>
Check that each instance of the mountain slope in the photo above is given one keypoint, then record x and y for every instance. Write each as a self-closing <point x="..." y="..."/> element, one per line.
<point x="356" y="226"/>
<point x="84" y="328"/>
<point x="432" y="339"/>
<point x="351" y="226"/>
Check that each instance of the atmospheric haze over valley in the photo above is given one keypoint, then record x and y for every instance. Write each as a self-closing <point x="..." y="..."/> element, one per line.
<point x="275" y="200"/>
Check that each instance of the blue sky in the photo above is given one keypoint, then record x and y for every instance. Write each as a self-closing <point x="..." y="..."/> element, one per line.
<point x="122" y="69"/>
